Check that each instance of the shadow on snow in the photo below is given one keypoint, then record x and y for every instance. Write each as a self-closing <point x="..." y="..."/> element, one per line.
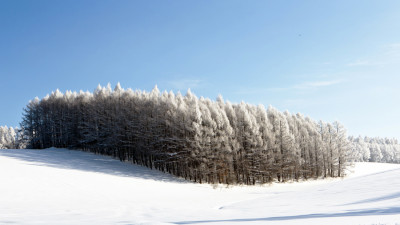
<point x="86" y="161"/>
<point x="382" y="198"/>
<point x="365" y="212"/>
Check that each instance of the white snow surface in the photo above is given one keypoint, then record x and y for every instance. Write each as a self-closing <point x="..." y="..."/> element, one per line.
<point x="59" y="186"/>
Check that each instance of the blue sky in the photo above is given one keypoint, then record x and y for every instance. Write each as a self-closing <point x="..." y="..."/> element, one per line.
<point x="330" y="60"/>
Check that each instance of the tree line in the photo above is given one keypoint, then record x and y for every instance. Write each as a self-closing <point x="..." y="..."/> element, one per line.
<point x="367" y="149"/>
<point x="190" y="137"/>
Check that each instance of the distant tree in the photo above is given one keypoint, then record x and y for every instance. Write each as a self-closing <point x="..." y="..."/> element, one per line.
<point x="374" y="149"/>
<point x="9" y="138"/>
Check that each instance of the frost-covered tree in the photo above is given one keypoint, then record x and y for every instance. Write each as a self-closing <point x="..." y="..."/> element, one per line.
<point x="194" y="138"/>
<point x="376" y="149"/>
<point x="10" y="138"/>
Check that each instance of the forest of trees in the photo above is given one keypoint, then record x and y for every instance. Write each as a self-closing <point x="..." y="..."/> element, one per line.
<point x="194" y="138"/>
<point x="375" y="149"/>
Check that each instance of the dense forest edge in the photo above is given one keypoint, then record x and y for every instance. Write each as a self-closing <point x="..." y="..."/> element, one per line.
<point x="195" y="138"/>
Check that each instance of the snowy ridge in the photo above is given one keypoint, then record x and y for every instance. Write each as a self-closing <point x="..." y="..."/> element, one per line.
<point x="59" y="186"/>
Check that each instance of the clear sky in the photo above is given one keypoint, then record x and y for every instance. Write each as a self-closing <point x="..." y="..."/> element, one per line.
<point x="330" y="60"/>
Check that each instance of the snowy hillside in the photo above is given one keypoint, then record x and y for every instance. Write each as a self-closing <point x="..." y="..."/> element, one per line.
<point x="58" y="186"/>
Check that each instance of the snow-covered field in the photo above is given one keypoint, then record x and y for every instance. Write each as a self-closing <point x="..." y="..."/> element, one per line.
<point x="58" y="186"/>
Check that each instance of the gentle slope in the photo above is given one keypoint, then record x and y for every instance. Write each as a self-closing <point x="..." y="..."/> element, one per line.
<point x="58" y="186"/>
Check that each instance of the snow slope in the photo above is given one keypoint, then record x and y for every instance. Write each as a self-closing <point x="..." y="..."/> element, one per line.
<point x="58" y="186"/>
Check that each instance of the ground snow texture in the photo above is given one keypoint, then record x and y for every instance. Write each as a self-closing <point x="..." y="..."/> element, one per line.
<point x="58" y="186"/>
